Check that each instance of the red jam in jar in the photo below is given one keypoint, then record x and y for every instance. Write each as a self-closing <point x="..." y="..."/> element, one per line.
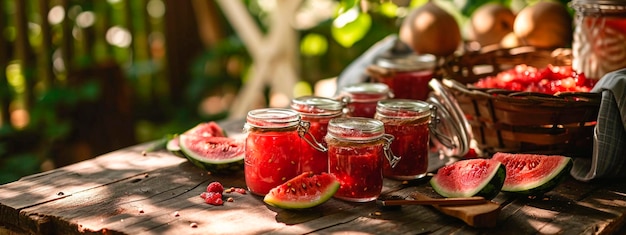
<point x="406" y="75"/>
<point x="361" y="98"/>
<point x="356" y="150"/>
<point x="271" y="157"/>
<point x="599" y="44"/>
<point x="317" y="111"/>
<point x="408" y="121"/>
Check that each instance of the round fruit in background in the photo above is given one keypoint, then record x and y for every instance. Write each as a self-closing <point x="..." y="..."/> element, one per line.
<point x="429" y="29"/>
<point x="490" y="23"/>
<point x="545" y="24"/>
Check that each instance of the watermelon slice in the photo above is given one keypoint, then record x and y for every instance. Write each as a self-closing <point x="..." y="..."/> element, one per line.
<point x="205" y="129"/>
<point x="304" y="191"/>
<point x="532" y="174"/>
<point x="207" y="147"/>
<point x="215" y="154"/>
<point x="471" y="177"/>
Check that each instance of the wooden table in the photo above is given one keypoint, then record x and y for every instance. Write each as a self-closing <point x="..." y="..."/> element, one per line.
<point x="127" y="192"/>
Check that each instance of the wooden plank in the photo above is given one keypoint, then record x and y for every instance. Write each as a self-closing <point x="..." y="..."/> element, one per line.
<point x="126" y="192"/>
<point x="100" y="171"/>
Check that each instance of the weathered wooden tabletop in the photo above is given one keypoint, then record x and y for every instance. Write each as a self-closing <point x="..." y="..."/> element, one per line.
<point x="126" y="192"/>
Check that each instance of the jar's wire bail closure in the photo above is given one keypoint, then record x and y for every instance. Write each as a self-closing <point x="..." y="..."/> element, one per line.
<point x="392" y="158"/>
<point x="303" y="129"/>
<point x="434" y="121"/>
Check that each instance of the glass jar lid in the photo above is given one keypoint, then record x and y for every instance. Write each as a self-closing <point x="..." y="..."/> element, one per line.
<point x="403" y="109"/>
<point x="453" y="133"/>
<point x="356" y="128"/>
<point x="317" y="105"/>
<point x="272" y="118"/>
<point x="407" y="62"/>
<point x="599" y="7"/>
<point x="367" y="88"/>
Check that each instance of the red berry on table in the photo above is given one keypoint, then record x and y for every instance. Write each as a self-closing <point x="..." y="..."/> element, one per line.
<point x="215" y="187"/>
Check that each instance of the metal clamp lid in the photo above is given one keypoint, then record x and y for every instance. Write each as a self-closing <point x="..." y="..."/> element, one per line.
<point x="452" y="133"/>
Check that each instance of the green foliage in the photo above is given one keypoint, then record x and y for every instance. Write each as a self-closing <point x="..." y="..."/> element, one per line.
<point x="351" y="26"/>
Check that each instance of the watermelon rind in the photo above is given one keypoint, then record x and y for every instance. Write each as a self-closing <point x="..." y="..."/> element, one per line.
<point x="538" y="186"/>
<point x="322" y="187"/>
<point x="173" y="147"/>
<point x="488" y="188"/>
<point x="227" y="164"/>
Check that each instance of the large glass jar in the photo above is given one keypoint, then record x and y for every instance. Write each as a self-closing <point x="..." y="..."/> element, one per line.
<point x="406" y="75"/>
<point x="361" y="98"/>
<point x="318" y="111"/>
<point x="356" y="149"/>
<point x="408" y="121"/>
<point x="271" y="157"/>
<point x="599" y="44"/>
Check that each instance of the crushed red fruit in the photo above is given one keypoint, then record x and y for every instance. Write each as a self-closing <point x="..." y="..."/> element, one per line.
<point x="549" y="80"/>
<point x="213" y="198"/>
<point x="215" y="187"/>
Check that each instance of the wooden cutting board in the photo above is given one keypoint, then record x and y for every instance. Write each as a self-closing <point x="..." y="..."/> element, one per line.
<point x="483" y="215"/>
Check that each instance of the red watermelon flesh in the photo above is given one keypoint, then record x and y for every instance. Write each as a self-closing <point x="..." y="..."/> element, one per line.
<point x="207" y="129"/>
<point x="532" y="173"/>
<point x="471" y="177"/>
<point x="207" y="147"/>
<point x="303" y="191"/>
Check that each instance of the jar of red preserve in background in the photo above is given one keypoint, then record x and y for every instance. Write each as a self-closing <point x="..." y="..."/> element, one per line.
<point x="361" y="98"/>
<point x="272" y="155"/>
<point x="408" y="121"/>
<point x="357" y="148"/>
<point x="406" y="75"/>
<point x="599" y="44"/>
<point x="317" y="111"/>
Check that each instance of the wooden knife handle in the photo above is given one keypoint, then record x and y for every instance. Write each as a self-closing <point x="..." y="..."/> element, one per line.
<point x="483" y="215"/>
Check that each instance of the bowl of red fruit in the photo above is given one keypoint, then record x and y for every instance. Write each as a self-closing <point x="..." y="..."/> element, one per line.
<point x="525" y="100"/>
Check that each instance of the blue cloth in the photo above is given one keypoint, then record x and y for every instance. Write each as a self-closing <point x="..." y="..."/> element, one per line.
<point x="609" y="153"/>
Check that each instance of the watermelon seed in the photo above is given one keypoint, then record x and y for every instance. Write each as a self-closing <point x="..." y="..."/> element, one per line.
<point x="289" y="184"/>
<point x="230" y="199"/>
<point x="303" y="185"/>
<point x="365" y="189"/>
<point x="293" y="190"/>
<point x="318" y="184"/>
<point x="293" y="163"/>
<point x="176" y="214"/>
<point x="193" y="225"/>
<point x="377" y="213"/>
<point x="283" y="179"/>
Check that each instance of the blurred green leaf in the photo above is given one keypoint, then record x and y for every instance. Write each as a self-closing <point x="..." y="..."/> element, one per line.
<point x="350" y="27"/>
<point x="19" y="165"/>
<point x="389" y="9"/>
<point x="313" y="44"/>
<point x="89" y="91"/>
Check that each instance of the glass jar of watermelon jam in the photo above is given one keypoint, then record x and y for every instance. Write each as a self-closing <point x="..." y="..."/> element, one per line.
<point x="357" y="148"/>
<point x="361" y="98"/>
<point x="317" y="111"/>
<point x="271" y="154"/>
<point x="599" y="44"/>
<point x="408" y="121"/>
<point x="407" y="75"/>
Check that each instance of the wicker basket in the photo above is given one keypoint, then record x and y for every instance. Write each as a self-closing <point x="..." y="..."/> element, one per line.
<point x="508" y="121"/>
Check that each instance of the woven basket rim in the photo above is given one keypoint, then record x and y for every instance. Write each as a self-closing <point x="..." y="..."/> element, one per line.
<point x="564" y="98"/>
